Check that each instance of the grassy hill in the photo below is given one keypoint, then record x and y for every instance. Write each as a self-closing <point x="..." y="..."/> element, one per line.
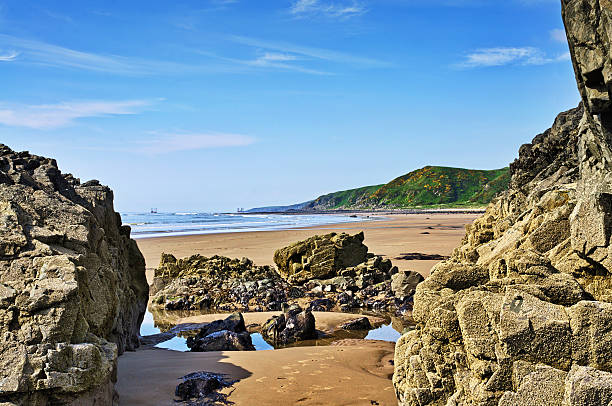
<point x="431" y="186"/>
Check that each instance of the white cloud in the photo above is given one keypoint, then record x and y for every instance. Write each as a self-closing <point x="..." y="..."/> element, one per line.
<point x="165" y="143"/>
<point x="41" y="53"/>
<point x="309" y="52"/>
<point x="318" y="8"/>
<point x="558" y="34"/>
<point x="501" y="56"/>
<point x="9" y="57"/>
<point x="49" y="116"/>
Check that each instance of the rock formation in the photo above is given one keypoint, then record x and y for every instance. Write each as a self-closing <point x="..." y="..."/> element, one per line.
<point x="521" y="313"/>
<point x="218" y="282"/>
<point x="229" y="334"/>
<point x="226" y="284"/>
<point x="294" y="324"/>
<point x="72" y="285"/>
<point x="320" y="257"/>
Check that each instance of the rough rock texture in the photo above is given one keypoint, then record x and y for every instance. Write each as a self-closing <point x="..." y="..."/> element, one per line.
<point x="321" y="256"/>
<point x="198" y="282"/>
<point x="72" y="285"/>
<point x="225" y="284"/>
<point x="293" y="325"/>
<point x="229" y="334"/>
<point x="520" y="314"/>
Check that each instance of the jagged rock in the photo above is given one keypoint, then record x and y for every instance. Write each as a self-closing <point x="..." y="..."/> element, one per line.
<point x="223" y="340"/>
<point x="293" y="325"/>
<point x="404" y="283"/>
<point x="229" y="334"/>
<point x="320" y="256"/>
<point x="72" y="285"/>
<point x="519" y="314"/>
<point x="362" y="323"/>
<point x="200" y="388"/>
<point x="222" y="283"/>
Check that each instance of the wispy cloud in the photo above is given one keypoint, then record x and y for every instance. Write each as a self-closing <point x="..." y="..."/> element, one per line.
<point x="49" y="116"/>
<point x="173" y="142"/>
<point x="558" y="34"/>
<point x="501" y="56"/>
<point x="310" y="52"/>
<point x="9" y="57"/>
<point x="319" y="8"/>
<point x="41" y="53"/>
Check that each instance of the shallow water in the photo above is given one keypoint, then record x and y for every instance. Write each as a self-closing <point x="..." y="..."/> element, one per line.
<point x="385" y="332"/>
<point x="171" y="224"/>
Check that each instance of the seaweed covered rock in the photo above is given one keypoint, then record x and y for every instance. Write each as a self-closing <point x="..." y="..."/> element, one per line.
<point x="217" y="282"/>
<point x="520" y="314"/>
<point x="321" y="256"/>
<point x="72" y="285"/>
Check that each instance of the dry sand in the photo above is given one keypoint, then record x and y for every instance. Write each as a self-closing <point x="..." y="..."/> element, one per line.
<point x="352" y="372"/>
<point x="390" y="237"/>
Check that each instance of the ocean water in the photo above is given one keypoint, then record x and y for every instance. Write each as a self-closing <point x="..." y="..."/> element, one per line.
<point x="170" y="224"/>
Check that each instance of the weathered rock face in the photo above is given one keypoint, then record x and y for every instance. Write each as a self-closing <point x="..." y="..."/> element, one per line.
<point x="320" y="257"/>
<point x="520" y="314"/>
<point x="72" y="285"/>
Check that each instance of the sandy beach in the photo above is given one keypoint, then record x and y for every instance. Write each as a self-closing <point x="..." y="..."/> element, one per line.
<point x="349" y="372"/>
<point x="390" y="237"/>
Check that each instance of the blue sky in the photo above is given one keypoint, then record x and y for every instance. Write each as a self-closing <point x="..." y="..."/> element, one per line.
<point x="218" y="104"/>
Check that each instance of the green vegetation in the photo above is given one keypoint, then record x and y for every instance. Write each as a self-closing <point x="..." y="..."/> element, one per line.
<point x="431" y="186"/>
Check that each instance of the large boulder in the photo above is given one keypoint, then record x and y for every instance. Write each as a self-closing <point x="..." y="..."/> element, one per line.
<point x="320" y="257"/>
<point x="73" y="290"/>
<point x="520" y="314"/>
<point x="294" y="324"/>
<point x="229" y="334"/>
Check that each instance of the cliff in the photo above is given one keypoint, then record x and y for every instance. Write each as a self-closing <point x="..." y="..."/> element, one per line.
<point x="72" y="286"/>
<point x="521" y="313"/>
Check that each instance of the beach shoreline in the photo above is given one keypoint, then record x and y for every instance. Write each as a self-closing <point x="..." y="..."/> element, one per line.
<point x="391" y="236"/>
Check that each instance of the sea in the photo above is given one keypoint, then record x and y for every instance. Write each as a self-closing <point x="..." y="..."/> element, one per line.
<point x="189" y="223"/>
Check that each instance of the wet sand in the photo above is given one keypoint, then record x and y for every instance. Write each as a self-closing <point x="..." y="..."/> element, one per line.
<point x="352" y="372"/>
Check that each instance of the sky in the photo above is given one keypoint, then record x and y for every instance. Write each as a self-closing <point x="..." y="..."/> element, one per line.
<point x="211" y="105"/>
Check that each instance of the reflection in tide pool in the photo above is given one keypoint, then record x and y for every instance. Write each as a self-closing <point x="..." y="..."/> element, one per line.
<point x="385" y="333"/>
<point x="259" y="343"/>
<point x="175" y="344"/>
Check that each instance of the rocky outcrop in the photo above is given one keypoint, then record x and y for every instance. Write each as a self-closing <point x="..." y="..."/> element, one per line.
<point x="225" y="284"/>
<point x="294" y="324"/>
<point x="229" y="334"/>
<point x="72" y="285"/>
<point x="520" y="314"/>
<point x="320" y="257"/>
<point x="222" y="283"/>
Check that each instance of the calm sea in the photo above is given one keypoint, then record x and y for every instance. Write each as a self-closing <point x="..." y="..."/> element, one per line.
<point x="169" y="224"/>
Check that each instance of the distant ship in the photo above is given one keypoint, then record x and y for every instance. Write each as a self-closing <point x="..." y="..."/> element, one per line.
<point x="154" y="210"/>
